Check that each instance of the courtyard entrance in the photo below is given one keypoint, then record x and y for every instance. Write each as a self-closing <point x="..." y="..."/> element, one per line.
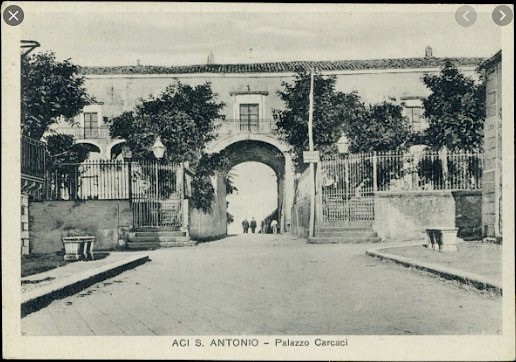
<point x="347" y="189"/>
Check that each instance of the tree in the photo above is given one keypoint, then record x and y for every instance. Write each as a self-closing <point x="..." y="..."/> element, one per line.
<point x="63" y="156"/>
<point x="49" y="90"/>
<point x="455" y="110"/>
<point x="380" y="127"/>
<point x="331" y="110"/>
<point x="183" y="117"/>
<point x="62" y="148"/>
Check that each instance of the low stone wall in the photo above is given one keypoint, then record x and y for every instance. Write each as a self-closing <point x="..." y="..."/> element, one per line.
<point x="210" y="225"/>
<point x="49" y="221"/>
<point x="301" y="217"/>
<point x="405" y="215"/>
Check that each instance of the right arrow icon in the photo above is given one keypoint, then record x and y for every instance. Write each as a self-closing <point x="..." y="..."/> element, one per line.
<point x="502" y="15"/>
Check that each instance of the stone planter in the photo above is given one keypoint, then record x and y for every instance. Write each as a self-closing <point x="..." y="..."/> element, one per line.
<point x="78" y="247"/>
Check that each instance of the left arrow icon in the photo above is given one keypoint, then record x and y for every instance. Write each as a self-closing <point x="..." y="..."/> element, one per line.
<point x="466" y="15"/>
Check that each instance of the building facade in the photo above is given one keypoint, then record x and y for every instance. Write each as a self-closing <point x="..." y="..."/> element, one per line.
<point x="249" y="92"/>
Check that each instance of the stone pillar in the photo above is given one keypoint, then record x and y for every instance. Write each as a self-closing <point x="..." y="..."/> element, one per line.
<point x="288" y="193"/>
<point x="318" y="194"/>
<point x="25" y="239"/>
<point x="492" y="169"/>
<point x="281" y="205"/>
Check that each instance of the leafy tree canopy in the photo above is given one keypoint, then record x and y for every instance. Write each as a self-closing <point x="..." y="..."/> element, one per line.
<point x="49" y="89"/>
<point x="379" y="127"/>
<point x="374" y="128"/>
<point x="183" y="116"/>
<point x="62" y="148"/>
<point x="331" y="110"/>
<point x="455" y="110"/>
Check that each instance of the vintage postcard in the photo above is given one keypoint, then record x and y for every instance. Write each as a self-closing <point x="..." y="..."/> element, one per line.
<point x="257" y="181"/>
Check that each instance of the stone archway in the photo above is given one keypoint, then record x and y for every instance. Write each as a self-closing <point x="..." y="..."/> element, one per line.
<point x="245" y="150"/>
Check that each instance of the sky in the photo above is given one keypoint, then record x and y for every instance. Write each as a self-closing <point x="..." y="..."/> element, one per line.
<point x="180" y="38"/>
<point x="256" y="196"/>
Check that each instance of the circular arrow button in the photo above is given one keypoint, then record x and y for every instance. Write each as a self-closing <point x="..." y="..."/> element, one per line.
<point x="466" y="15"/>
<point x="502" y="15"/>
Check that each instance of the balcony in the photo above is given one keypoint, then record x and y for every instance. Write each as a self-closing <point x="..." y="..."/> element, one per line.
<point x="81" y="133"/>
<point x="237" y="126"/>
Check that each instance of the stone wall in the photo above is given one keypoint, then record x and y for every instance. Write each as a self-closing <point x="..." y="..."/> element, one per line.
<point x="301" y="217"/>
<point x="49" y="221"/>
<point x="120" y="93"/>
<point x="492" y="171"/>
<point x="405" y="215"/>
<point x="210" y="225"/>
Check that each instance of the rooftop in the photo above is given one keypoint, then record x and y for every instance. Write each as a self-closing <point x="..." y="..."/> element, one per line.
<point x="281" y="67"/>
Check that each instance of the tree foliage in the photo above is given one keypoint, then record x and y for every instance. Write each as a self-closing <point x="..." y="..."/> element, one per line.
<point x="62" y="148"/>
<point x="49" y="89"/>
<point x="368" y="128"/>
<point x="183" y="116"/>
<point x="455" y="110"/>
<point x="331" y="110"/>
<point x="379" y="127"/>
<point x="203" y="192"/>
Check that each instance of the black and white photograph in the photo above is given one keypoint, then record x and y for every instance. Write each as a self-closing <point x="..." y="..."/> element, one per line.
<point x="257" y="181"/>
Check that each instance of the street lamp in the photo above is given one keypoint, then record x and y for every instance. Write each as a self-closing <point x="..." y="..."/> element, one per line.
<point x="343" y="145"/>
<point x="159" y="150"/>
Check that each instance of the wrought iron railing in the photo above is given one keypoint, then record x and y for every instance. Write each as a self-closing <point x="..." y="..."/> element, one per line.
<point x="33" y="154"/>
<point x="110" y="180"/>
<point x="397" y="171"/>
<point x="84" y="133"/>
<point x="237" y="126"/>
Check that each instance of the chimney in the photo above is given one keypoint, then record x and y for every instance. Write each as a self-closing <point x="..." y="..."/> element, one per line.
<point x="211" y="58"/>
<point x="137" y="62"/>
<point x="428" y="52"/>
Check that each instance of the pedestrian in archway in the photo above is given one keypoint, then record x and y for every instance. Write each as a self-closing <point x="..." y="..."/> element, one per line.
<point x="274" y="226"/>
<point x="245" y="225"/>
<point x="253" y="225"/>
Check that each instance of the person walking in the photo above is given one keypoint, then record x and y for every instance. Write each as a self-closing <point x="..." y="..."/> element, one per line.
<point x="253" y="225"/>
<point x="245" y="225"/>
<point x="274" y="226"/>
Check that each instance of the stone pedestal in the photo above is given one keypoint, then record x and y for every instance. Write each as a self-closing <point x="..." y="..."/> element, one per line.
<point x="78" y="247"/>
<point x="442" y="238"/>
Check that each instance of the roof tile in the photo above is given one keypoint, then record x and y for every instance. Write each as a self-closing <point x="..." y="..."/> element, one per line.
<point x="277" y="67"/>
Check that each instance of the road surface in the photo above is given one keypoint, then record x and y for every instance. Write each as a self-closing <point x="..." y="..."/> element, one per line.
<point x="269" y="284"/>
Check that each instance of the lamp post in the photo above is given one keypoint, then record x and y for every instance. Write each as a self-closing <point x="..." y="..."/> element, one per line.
<point x="159" y="150"/>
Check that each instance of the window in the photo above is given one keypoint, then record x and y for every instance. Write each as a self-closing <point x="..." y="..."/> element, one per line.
<point x="249" y="117"/>
<point x="416" y="118"/>
<point x="91" y="125"/>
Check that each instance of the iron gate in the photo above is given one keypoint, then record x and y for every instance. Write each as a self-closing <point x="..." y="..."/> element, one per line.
<point x="347" y="189"/>
<point x="156" y="194"/>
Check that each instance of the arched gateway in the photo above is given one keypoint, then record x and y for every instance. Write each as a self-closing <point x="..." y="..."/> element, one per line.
<point x="266" y="149"/>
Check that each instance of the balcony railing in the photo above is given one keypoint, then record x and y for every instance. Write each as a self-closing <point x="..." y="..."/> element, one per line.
<point x="84" y="133"/>
<point x="237" y="126"/>
<point x="33" y="154"/>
